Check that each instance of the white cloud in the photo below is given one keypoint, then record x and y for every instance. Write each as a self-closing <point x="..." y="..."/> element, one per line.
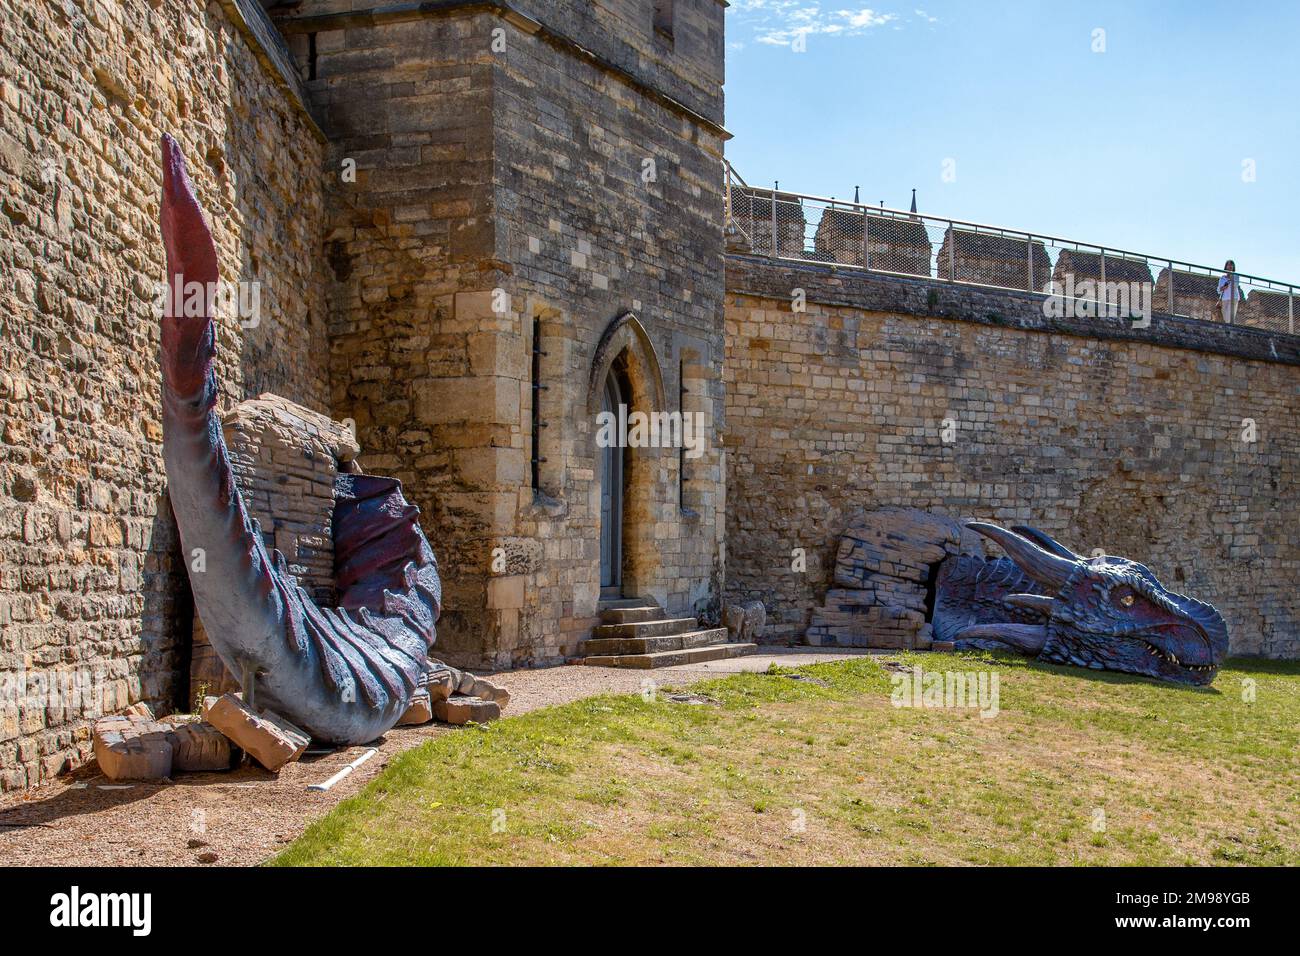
<point x="925" y="16"/>
<point x="780" y="22"/>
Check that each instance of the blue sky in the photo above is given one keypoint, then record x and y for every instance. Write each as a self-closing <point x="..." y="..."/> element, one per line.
<point x="1140" y="146"/>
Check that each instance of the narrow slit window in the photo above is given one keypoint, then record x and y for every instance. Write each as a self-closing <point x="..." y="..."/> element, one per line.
<point x="681" y="451"/>
<point x="664" y="18"/>
<point x="537" y="423"/>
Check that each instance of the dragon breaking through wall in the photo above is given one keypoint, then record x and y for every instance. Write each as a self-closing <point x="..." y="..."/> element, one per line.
<point x="916" y="578"/>
<point x="344" y="674"/>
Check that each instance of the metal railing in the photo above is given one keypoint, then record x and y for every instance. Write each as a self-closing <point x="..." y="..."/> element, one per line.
<point x="1093" y="279"/>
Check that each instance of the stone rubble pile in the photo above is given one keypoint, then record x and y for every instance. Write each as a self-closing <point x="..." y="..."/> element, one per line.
<point x="136" y="746"/>
<point x="884" y="571"/>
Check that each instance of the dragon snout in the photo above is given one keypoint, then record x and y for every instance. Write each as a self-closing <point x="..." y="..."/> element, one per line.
<point x="1183" y="644"/>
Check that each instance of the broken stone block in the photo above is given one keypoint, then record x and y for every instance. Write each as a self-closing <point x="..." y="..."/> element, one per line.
<point x="459" y="709"/>
<point x="131" y="747"/>
<point x="466" y="683"/>
<point x="198" y="746"/>
<point x="442" y="684"/>
<point x="268" y="738"/>
<point x="420" y="711"/>
<point x="487" y="690"/>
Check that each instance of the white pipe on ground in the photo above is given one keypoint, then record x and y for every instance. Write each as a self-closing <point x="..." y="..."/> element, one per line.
<point x="322" y="787"/>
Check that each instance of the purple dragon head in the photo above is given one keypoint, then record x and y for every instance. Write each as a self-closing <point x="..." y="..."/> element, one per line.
<point x="1106" y="613"/>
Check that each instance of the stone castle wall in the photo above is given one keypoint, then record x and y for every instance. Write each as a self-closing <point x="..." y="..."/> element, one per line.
<point x="537" y="197"/>
<point x="610" y="204"/>
<point x="93" y="610"/>
<point x="418" y="357"/>
<point x="1130" y="441"/>
<point x="500" y="204"/>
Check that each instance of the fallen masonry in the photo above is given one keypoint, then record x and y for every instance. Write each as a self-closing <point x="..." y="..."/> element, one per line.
<point x="269" y="739"/>
<point x="198" y="747"/>
<point x="420" y="711"/>
<point x="459" y="709"/>
<point x="886" y="561"/>
<point x="131" y="747"/>
<point x="137" y="746"/>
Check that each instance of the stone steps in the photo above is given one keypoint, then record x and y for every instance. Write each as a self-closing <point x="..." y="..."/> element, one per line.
<point x="660" y="628"/>
<point x="637" y="633"/>
<point x="654" y="643"/>
<point x="613" y="604"/>
<point x="694" y="655"/>
<point x="631" y="615"/>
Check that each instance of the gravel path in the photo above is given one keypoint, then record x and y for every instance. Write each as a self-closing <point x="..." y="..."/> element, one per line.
<point x="242" y="817"/>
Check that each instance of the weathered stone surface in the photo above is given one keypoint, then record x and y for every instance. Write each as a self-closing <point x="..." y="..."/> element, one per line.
<point x="285" y="457"/>
<point x="268" y="738"/>
<point x="131" y="747"/>
<point x="90" y="556"/>
<point x="745" y="622"/>
<point x="459" y="709"/>
<point x="488" y="690"/>
<point x="442" y="684"/>
<point x="973" y="402"/>
<point x="420" y="711"/>
<point x="438" y="371"/>
<point x="1101" y="432"/>
<point x="198" y="746"/>
<point x="466" y="683"/>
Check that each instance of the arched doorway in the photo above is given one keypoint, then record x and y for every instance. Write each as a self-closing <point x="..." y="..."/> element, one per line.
<point x="627" y="492"/>
<point x="611" y="496"/>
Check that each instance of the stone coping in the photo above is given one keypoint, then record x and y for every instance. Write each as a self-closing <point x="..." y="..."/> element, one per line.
<point x="398" y="12"/>
<point x="981" y="305"/>
<point x="267" y="45"/>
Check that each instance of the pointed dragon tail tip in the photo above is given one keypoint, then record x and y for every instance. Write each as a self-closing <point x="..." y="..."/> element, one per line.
<point x="174" y="171"/>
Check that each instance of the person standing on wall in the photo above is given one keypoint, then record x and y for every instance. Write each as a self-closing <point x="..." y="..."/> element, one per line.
<point x="1229" y="291"/>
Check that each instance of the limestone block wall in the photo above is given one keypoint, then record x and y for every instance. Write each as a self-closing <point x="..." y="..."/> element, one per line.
<point x="753" y="211"/>
<point x="419" y="358"/>
<point x="991" y="259"/>
<point x="1273" y="310"/>
<point x="895" y="244"/>
<point x="501" y="202"/>
<point x="1195" y="294"/>
<point x="1087" y="265"/>
<point x="92" y="584"/>
<point x="611" y="204"/>
<point x="972" y="403"/>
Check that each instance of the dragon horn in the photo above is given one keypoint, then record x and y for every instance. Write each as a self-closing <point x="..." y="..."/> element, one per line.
<point x="1044" y="567"/>
<point x="1045" y="541"/>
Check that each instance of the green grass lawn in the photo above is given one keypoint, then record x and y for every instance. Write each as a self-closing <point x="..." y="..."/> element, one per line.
<point x="1078" y="767"/>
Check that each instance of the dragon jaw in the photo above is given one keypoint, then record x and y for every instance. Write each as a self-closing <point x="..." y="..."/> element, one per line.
<point x="1108" y="613"/>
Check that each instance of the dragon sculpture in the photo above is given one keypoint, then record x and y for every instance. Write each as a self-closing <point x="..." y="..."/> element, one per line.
<point x="1106" y="613"/>
<point x="344" y="674"/>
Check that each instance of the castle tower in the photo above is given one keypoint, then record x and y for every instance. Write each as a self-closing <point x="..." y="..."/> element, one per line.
<point x="526" y="207"/>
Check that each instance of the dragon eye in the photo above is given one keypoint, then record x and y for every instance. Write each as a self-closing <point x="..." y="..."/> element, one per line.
<point x="1126" y="599"/>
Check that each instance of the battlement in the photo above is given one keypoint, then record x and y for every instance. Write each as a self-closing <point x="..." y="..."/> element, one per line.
<point x="896" y="242"/>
